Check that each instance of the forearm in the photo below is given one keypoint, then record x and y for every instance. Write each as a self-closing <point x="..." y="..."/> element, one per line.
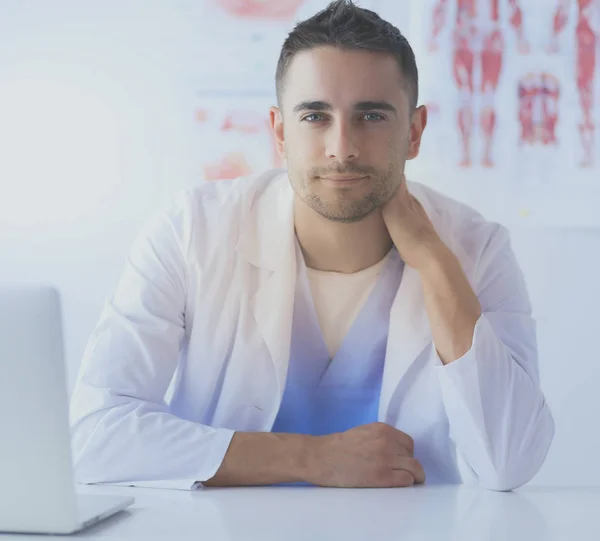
<point x="134" y="442"/>
<point x="452" y="306"/>
<point x="498" y="416"/>
<point x="263" y="458"/>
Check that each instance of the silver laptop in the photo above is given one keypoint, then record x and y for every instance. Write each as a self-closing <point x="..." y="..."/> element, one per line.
<point x="37" y="488"/>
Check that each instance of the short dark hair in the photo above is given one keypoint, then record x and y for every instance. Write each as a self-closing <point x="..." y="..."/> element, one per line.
<point x="345" y="25"/>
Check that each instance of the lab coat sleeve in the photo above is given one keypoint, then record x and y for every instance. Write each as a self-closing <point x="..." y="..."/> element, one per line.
<point x="499" y="420"/>
<point x="122" y="430"/>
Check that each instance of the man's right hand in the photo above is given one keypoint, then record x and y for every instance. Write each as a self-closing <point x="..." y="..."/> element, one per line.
<point x="373" y="455"/>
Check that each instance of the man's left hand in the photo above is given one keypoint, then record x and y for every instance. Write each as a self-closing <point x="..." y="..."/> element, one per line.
<point x="409" y="226"/>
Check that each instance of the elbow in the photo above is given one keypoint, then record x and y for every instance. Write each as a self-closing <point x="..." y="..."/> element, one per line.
<point x="85" y="468"/>
<point x="505" y="481"/>
<point x="97" y="442"/>
<point x="520" y="466"/>
<point x="86" y="441"/>
<point x="86" y="475"/>
<point x="98" y="445"/>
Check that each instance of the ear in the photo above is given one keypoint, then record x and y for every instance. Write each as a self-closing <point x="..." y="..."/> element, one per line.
<point x="276" y="120"/>
<point x="417" y="126"/>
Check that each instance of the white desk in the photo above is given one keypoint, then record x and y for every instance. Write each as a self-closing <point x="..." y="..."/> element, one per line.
<point x="290" y="513"/>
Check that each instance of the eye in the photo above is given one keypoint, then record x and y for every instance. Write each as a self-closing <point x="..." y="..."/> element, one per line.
<point x="313" y="117"/>
<point x="373" y="116"/>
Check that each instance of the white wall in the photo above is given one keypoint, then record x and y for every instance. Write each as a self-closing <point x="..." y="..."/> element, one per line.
<point x="96" y="137"/>
<point x="562" y="271"/>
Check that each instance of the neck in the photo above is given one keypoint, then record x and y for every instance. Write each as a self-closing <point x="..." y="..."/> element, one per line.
<point x="340" y="247"/>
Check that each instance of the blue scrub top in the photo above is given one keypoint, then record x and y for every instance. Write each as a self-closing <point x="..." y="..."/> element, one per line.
<point x="324" y="396"/>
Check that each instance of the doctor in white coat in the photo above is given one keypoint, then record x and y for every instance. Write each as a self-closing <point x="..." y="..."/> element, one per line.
<point x="331" y="323"/>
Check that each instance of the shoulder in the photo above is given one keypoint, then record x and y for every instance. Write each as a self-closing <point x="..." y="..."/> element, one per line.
<point x="213" y="212"/>
<point x="230" y="195"/>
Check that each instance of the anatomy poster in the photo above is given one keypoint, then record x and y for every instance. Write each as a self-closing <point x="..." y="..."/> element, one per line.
<point x="513" y="96"/>
<point x="512" y="89"/>
<point x="233" y="137"/>
<point x="233" y="45"/>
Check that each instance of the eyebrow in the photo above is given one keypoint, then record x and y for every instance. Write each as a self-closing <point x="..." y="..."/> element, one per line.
<point x="360" y="106"/>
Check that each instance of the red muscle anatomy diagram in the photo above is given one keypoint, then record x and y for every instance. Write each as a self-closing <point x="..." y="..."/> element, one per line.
<point x="538" y="95"/>
<point x="261" y="9"/>
<point x="478" y="46"/>
<point x="235" y="163"/>
<point x="586" y="36"/>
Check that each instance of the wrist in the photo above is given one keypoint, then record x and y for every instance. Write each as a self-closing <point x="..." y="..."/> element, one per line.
<point x="311" y="461"/>
<point x="433" y="255"/>
<point x="294" y="456"/>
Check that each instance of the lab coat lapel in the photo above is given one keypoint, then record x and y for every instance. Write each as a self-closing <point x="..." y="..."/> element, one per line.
<point x="409" y="329"/>
<point x="268" y="245"/>
<point x="409" y="334"/>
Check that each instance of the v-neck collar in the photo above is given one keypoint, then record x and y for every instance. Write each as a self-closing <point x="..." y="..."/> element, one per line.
<point x="376" y="308"/>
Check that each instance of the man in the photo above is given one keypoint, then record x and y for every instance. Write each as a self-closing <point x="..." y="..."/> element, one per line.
<point x="330" y="324"/>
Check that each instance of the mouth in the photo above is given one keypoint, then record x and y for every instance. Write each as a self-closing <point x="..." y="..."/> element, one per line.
<point x="344" y="180"/>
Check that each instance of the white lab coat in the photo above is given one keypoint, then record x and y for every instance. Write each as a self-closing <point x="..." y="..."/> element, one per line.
<point x="194" y="345"/>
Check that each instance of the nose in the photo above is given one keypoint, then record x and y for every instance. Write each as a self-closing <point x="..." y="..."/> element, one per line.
<point x="341" y="144"/>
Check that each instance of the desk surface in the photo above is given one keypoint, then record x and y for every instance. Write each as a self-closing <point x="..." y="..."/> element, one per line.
<point x="309" y="513"/>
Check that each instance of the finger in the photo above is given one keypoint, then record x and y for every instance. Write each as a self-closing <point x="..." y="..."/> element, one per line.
<point x="403" y="188"/>
<point x="404" y="440"/>
<point x="412" y="466"/>
<point x="401" y="478"/>
<point x="415" y="201"/>
<point x="396" y="190"/>
<point x="404" y="451"/>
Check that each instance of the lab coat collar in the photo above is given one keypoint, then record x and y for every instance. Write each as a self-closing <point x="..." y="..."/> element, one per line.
<point x="267" y="238"/>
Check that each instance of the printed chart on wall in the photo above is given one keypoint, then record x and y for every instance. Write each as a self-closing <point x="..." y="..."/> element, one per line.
<point x="236" y="43"/>
<point x="238" y="134"/>
<point x="236" y="46"/>
<point x="513" y="93"/>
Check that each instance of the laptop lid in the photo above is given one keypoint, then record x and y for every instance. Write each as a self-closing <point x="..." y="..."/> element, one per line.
<point x="37" y="489"/>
